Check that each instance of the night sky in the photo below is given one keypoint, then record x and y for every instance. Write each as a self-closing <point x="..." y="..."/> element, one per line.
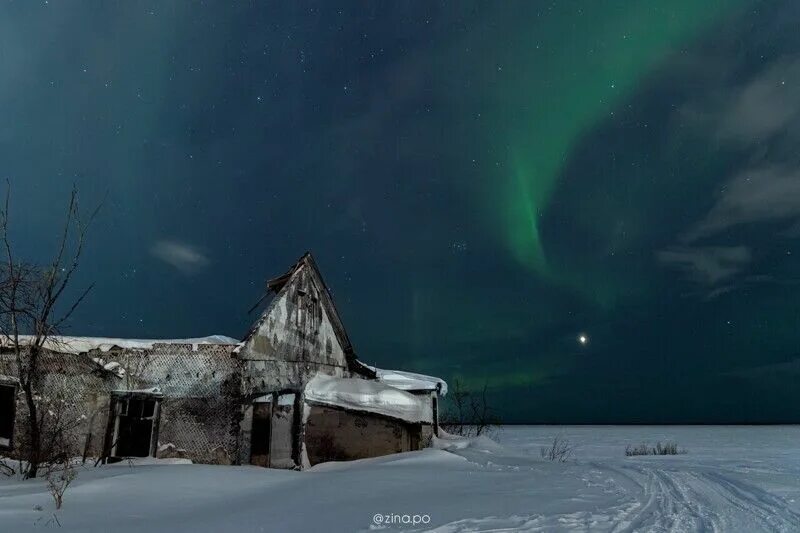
<point x="592" y="207"/>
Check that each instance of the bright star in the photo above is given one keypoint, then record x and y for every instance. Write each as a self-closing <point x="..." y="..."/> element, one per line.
<point x="583" y="339"/>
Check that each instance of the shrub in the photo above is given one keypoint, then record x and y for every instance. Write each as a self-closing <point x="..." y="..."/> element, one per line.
<point x="59" y="478"/>
<point x="469" y="414"/>
<point x="667" y="448"/>
<point x="559" y="450"/>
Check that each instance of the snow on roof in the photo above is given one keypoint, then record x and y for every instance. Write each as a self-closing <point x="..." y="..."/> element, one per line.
<point x="367" y="395"/>
<point x="79" y="345"/>
<point x="151" y="390"/>
<point x="114" y="367"/>
<point x="410" y="381"/>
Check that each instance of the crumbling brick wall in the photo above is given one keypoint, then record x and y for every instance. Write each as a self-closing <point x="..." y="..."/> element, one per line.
<point x="200" y="383"/>
<point x="71" y="394"/>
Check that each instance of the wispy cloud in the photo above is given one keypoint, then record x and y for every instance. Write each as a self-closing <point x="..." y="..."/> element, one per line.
<point x="184" y="257"/>
<point x="764" y="194"/>
<point x="708" y="265"/>
<point x="765" y="106"/>
<point x="762" y="117"/>
<point x="760" y="109"/>
<point x="759" y="118"/>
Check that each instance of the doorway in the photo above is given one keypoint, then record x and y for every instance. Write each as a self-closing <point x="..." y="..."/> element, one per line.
<point x="134" y="429"/>
<point x="8" y="401"/>
<point x="260" y="434"/>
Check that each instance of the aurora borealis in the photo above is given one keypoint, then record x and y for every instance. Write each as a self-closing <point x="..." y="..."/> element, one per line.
<point x="599" y="54"/>
<point x="481" y="184"/>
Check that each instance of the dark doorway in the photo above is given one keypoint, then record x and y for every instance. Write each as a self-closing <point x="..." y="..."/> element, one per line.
<point x="8" y="394"/>
<point x="135" y="426"/>
<point x="260" y="434"/>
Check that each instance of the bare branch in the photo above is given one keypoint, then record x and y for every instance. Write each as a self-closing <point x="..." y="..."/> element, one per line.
<point x="29" y="296"/>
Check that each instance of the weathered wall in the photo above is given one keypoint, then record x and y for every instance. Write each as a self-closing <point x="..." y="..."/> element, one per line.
<point x="338" y="435"/>
<point x="200" y="411"/>
<point x="293" y="340"/>
<point x="72" y="396"/>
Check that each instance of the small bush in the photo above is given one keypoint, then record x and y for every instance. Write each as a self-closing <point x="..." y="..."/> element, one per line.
<point x="667" y="448"/>
<point x="469" y="414"/>
<point x="560" y="450"/>
<point x="59" y="478"/>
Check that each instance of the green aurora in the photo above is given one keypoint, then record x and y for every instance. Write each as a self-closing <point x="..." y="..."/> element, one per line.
<point x="594" y="62"/>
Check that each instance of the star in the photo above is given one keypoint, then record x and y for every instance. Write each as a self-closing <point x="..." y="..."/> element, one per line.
<point x="583" y="339"/>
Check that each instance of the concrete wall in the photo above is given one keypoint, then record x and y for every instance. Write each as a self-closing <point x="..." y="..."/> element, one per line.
<point x="200" y="411"/>
<point x="71" y="396"/>
<point x="293" y="340"/>
<point x="339" y="435"/>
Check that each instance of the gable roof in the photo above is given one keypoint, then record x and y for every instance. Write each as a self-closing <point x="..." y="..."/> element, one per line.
<point x="278" y="284"/>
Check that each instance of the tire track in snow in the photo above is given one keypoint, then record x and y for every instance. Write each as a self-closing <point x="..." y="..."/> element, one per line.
<point x="686" y="501"/>
<point x="655" y="498"/>
<point x="762" y="508"/>
<point x="669" y="504"/>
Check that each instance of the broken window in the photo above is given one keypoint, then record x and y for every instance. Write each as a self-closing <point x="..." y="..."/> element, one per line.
<point x="135" y="425"/>
<point x="8" y="394"/>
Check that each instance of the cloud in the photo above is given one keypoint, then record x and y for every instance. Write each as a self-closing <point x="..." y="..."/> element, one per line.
<point x="765" y="106"/>
<point x="770" y="193"/>
<point x="184" y="257"/>
<point x="760" y="118"/>
<point x="707" y="264"/>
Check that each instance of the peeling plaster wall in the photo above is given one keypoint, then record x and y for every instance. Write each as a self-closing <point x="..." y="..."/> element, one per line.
<point x="71" y="394"/>
<point x="200" y="411"/>
<point x="293" y="340"/>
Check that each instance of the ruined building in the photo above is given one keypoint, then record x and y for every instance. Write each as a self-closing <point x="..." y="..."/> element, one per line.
<point x="290" y="395"/>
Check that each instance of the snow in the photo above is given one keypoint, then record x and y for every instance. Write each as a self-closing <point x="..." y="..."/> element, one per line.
<point x="286" y="399"/>
<point x="114" y="367"/>
<point x="409" y="381"/>
<point x="369" y="396"/>
<point x="79" y="345"/>
<point x="151" y="390"/>
<point x="267" y="398"/>
<point x="738" y="479"/>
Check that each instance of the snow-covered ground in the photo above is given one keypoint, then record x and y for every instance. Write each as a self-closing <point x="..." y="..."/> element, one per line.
<point x="732" y="479"/>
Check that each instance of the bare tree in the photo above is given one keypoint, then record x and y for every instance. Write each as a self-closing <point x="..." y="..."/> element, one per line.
<point x="469" y="414"/>
<point x="31" y="313"/>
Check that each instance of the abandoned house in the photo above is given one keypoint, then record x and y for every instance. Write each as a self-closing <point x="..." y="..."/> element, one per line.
<point x="290" y="395"/>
